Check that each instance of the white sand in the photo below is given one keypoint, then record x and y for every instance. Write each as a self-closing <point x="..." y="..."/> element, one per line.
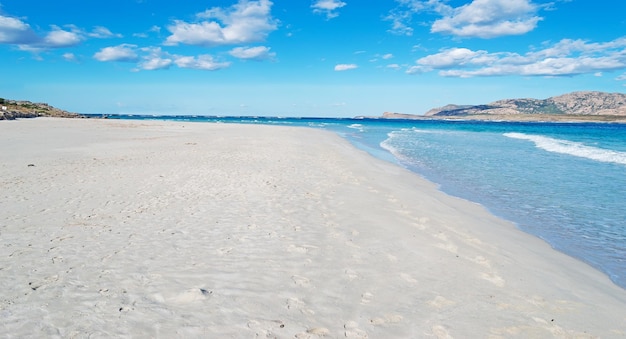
<point x="161" y="229"/>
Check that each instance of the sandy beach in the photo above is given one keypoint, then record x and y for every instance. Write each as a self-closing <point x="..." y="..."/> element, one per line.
<point x="152" y="229"/>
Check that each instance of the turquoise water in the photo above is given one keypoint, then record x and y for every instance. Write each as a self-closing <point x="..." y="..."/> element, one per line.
<point x="565" y="183"/>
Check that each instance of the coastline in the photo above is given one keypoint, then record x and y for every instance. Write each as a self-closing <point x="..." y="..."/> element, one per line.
<point x="178" y="228"/>
<point x="540" y="118"/>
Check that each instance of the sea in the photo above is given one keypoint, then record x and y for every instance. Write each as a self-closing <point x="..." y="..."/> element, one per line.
<point x="562" y="182"/>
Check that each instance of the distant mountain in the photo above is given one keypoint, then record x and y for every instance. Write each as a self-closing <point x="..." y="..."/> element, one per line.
<point x="14" y="109"/>
<point x="576" y="103"/>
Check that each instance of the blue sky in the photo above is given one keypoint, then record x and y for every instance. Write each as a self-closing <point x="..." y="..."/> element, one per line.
<point x="305" y="58"/>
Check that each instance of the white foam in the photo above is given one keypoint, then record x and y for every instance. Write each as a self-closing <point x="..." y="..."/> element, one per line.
<point x="357" y="127"/>
<point x="572" y="148"/>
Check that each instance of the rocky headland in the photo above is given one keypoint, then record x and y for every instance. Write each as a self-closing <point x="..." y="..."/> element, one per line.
<point x="15" y="109"/>
<point x="575" y="106"/>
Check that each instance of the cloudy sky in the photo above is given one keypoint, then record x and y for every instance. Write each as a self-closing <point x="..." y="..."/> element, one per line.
<point x="305" y="58"/>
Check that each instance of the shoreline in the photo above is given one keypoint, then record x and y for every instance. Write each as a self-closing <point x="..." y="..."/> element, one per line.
<point x="532" y="118"/>
<point x="127" y="227"/>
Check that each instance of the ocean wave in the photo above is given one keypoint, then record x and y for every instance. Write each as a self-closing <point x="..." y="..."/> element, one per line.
<point x="358" y="127"/>
<point x="572" y="148"/>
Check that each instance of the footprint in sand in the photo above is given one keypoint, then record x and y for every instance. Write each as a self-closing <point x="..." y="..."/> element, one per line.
<point x="450" y="247"/>
<point x="408" y="278"/>
<point x="351" y="274"/>
<point x="299" y="305"/>
<point x="303" y="249"/>
<point x="301" y="281"/>
<point x="480" y="260"/>
<point x="352" y="330"/>
<point x="296" y="249"/>
<point x="386" y="320"/>
<point x="446" y="244"/>
<point x="224" y="250"/>
<point x="490" y="276"/>
<point x="313" y="333"/>
<point x="440" y="332"/>
<point x="493" y="278"/>
<point x="266" y="328"/>
<point x="35" y="285"/>
<point x="191" y="295"/>
<point x="420" y="223"/>
<point x="366" y="298"/>
<point x="392" y="258"/>
<point x="440" y="302"/>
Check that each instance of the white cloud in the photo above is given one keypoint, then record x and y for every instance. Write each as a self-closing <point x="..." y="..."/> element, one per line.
<point x="155" y="59"/>
<point x="401" y="16"/>
<point x="455" y="57"/>
<point x="565" y="58"/>
<point x="478" y="19"/>
<point x="418" y="70"/>
<point x="155" y="63"/>
<point x="252" y="53"/>
<point x="61" y="38"/>
<point x="489" y="19"/>
<point x="153" y="29"/>
<point x="202" y="62"/>
<point x="327" y="7"/>
<point x="394" y="66"/>
<point x="345" y="67"/>
<point x="621" y="77"/>
<point x="387" y="56"/>
<point x="15" y="31"/>
<point x="244" y="22"/>
<point x="69" y="57"/>
<point x="123" y="52"/>
<point x="100" y="32"/>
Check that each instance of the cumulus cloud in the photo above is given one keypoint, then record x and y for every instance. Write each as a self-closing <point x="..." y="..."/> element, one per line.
<point x="345" y="67"/>
<point x="123" y="52"/>
<point x="327" y="7"/>
<point x="455" y="57"/>
<point x="15" y="31"/>
<point x="402" y="15"/>
<point x="154" y="58"/>
<point x="100" y="32"/>
<point x="565" y="58"/>
<point x="244" y="22"/>
<point x="155" y="63"/>
<point x="202" y="62"/>
<point x="489" y="19"/>
<point x="478" y="19"/>
<point x="252" y="53"/>
<point x="61" y="38"/>
<point x="69" y="57"/>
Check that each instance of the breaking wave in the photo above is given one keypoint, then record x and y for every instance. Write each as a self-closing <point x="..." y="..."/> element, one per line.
<point x="572" y="148"/>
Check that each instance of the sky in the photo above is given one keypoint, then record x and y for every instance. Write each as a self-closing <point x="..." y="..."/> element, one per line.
<point x="313" y="58"/>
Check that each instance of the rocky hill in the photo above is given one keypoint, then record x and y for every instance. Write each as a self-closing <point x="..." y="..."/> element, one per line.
<point x="14" y="109"/>
<point x="571" y="104"/>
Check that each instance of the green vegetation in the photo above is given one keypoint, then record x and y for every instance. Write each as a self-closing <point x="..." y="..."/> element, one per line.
<point x="537" y="106"/>
<point x="550" y="108"/>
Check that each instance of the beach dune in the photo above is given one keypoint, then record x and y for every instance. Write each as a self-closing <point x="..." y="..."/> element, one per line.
<point x="112" y="228"/>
